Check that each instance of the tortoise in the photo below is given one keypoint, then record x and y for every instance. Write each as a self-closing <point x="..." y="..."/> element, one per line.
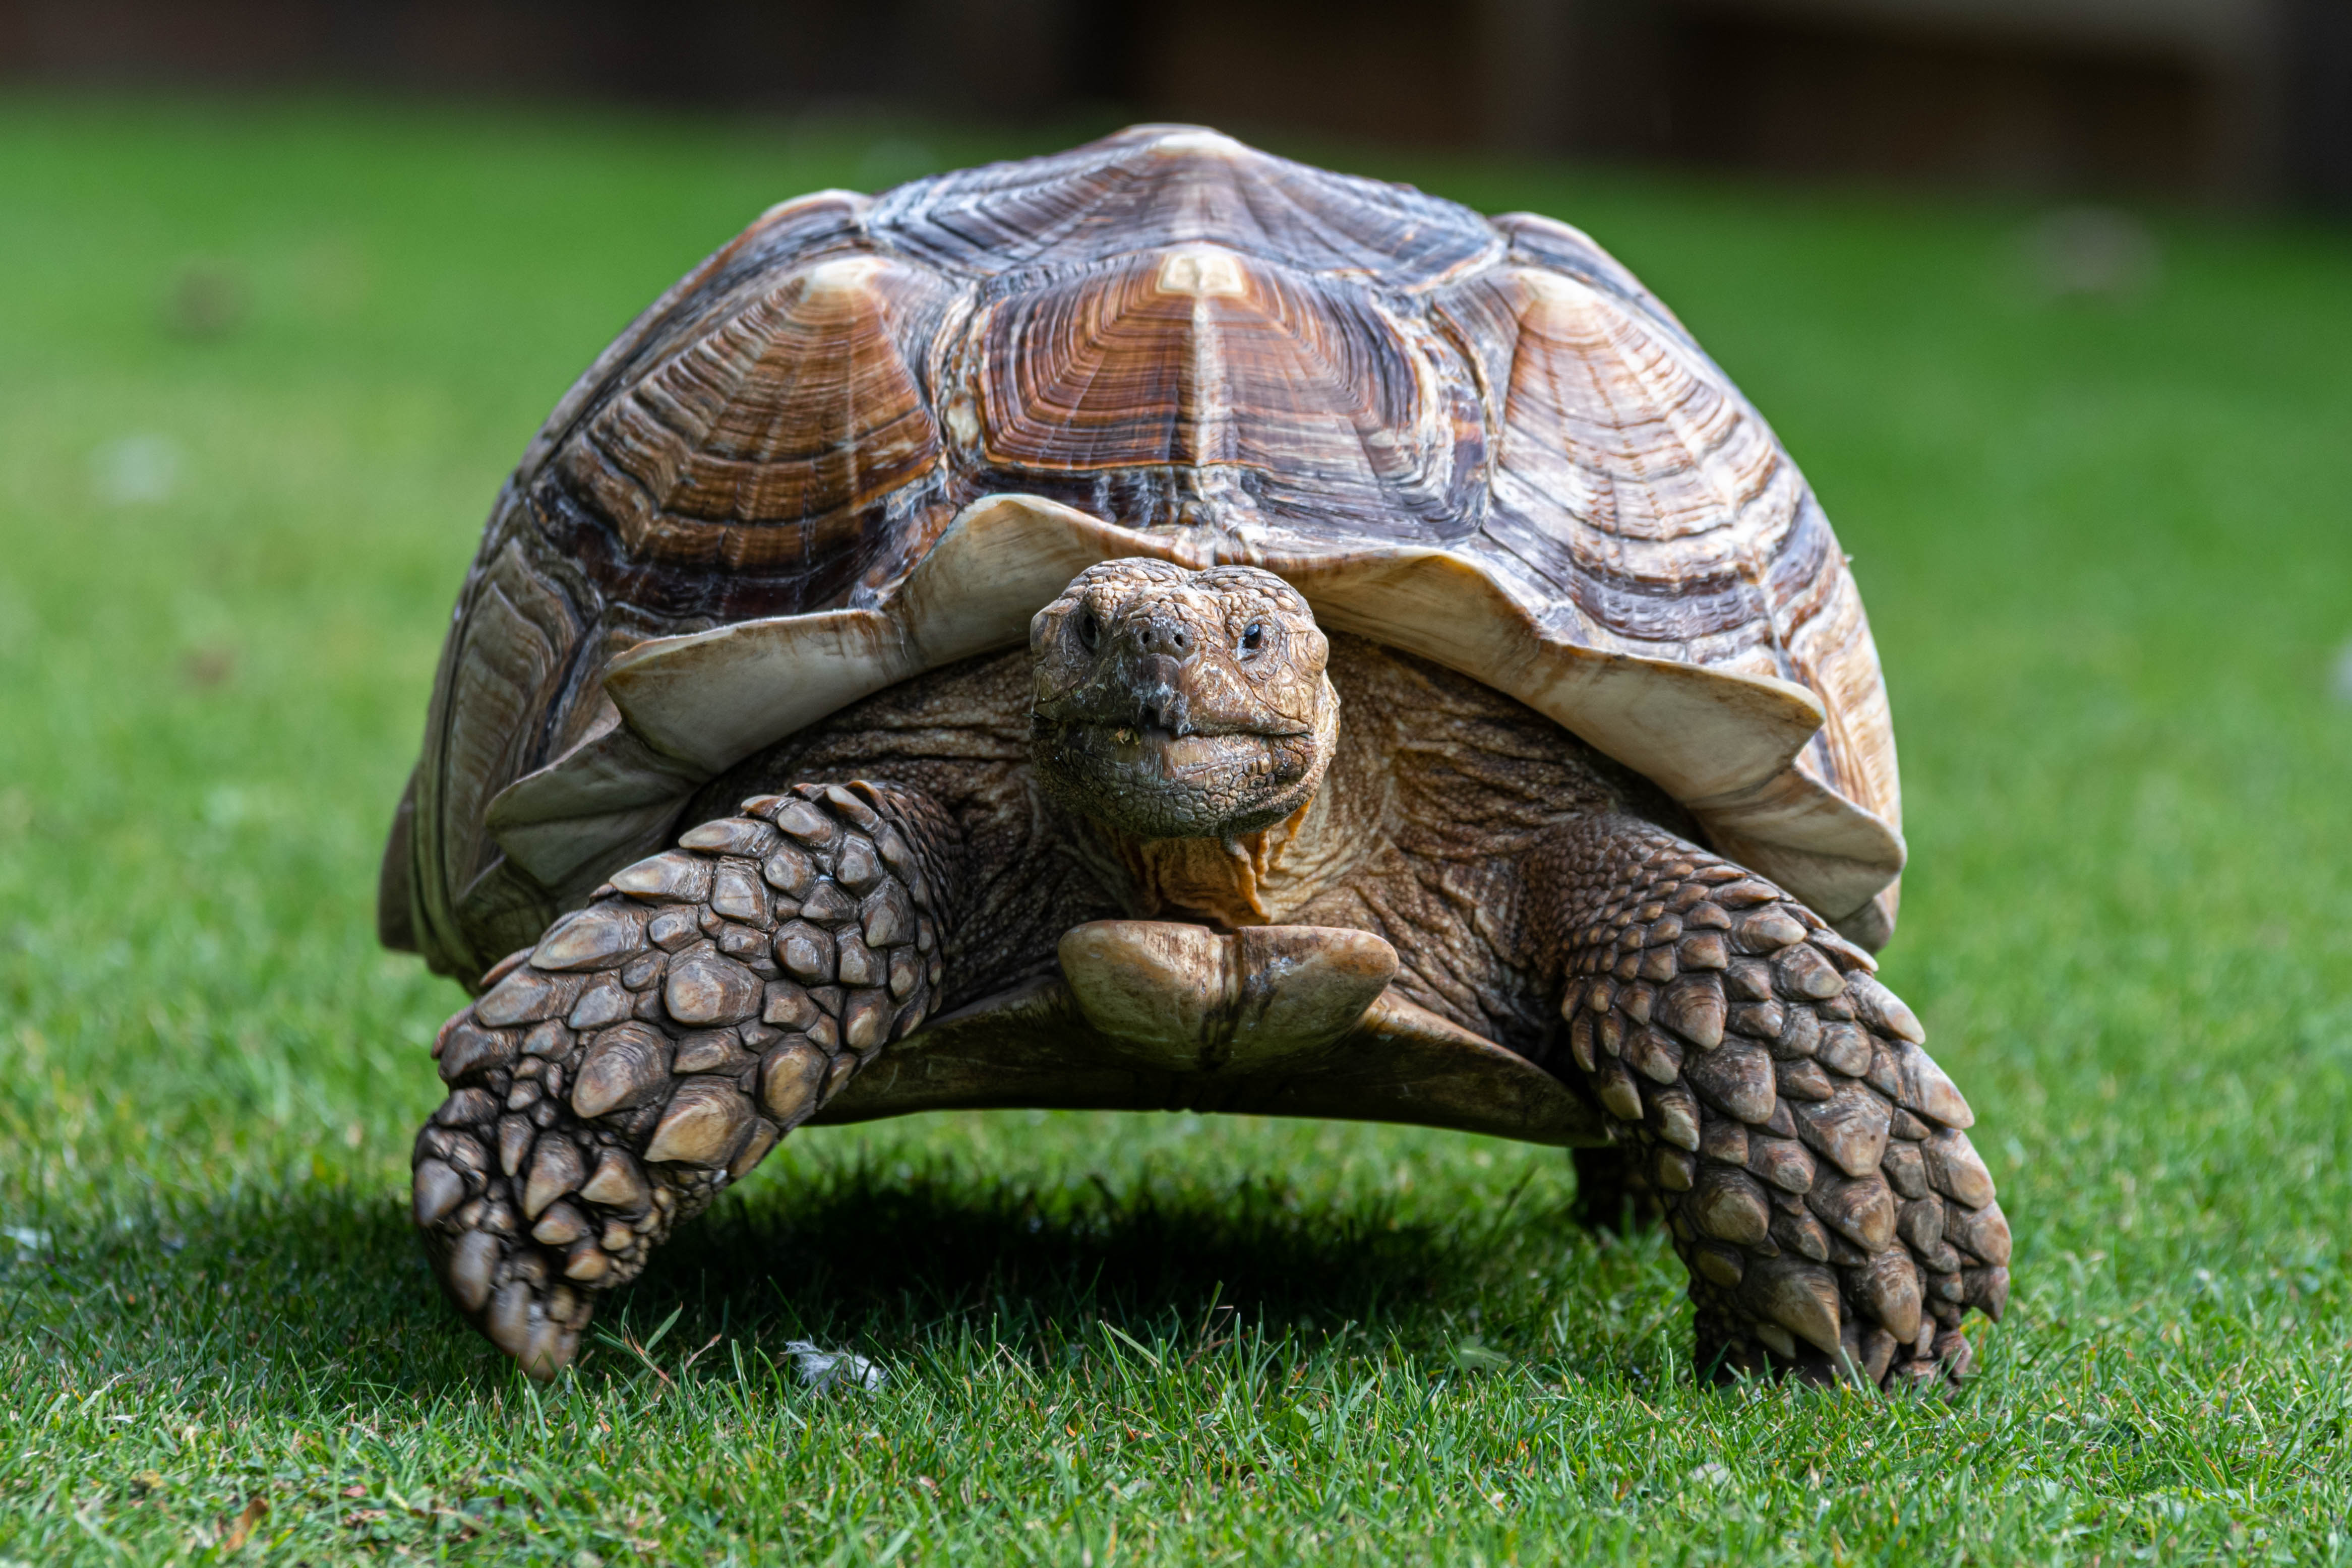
<point x="1160" y="626"/>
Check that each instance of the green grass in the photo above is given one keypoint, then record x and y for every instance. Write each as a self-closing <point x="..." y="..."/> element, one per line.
<point x="2106" y="547"/>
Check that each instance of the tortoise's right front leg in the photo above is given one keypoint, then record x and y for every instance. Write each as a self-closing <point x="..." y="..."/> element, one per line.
<point x="657" y="1043"/>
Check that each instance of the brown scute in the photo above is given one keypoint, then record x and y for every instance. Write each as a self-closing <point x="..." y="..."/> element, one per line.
<point x="1557" y="246"/>
<point x="516" y="631"/>
<point x="797" y="406"/>
<point x="1646" y="493"/>
<point x="648" y="597"/>
<point x="1203" y="357"/>
<point x="1150" y="186"/>
<point x="1625" y="431"/>
<point x="805" y="225"/>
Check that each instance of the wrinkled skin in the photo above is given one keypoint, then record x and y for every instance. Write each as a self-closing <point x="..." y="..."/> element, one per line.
<point x="1171" y="747"/>
<point x="1172" y="704"/>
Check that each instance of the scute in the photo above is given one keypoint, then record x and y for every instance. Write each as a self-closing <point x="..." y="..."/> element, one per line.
<point x="502" y="670"/>
<point x="1281" y="391"/>
<point x="1546" y="244"/>
<point x="1155" y="186"/>
<point x="798" y="407"/>
<point x="1659" y="515"/>
<point x="805" y="226"/>
<point x="1483" y="441"/>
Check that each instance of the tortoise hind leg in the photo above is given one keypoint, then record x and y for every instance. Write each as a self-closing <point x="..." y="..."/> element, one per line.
<point x="1810" y="1158"/>
<point x="657" y="1043"/>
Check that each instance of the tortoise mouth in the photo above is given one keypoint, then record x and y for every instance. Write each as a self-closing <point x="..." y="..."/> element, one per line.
<point x="1153" y="751"/>
<point x="1193" y="783"/>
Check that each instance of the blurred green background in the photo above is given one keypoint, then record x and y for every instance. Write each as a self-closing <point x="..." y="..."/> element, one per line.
<point x="263" y="365"/>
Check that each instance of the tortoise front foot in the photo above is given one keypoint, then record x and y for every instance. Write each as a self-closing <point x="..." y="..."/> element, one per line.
<point x="1810" y="1158"/>
<point x="657" y="1043"/>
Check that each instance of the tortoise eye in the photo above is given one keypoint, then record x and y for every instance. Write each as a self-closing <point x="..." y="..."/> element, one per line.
<point x="1089" y="630"/>
<point x="1253" y="638"/>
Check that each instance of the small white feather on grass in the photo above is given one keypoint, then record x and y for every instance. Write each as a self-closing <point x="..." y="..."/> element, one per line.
<point x="823" y="1369"/>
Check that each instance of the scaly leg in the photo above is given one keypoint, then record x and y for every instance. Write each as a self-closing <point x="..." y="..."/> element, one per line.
<point x="1810" y="1158"/>
<point x="657" y="1043"/>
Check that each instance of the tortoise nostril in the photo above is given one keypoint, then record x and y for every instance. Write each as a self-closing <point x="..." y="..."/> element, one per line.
<point x="1172" y="637"/>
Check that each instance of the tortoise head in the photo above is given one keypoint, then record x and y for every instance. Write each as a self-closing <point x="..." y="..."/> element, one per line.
<point x="1176" y="704"/>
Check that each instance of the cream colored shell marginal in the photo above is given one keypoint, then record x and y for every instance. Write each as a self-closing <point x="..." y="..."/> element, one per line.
<point x="870" y="436"/>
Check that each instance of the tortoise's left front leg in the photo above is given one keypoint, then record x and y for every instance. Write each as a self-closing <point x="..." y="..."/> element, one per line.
<point x="657" y="1043"/>
<point x="1811" y="1161"/>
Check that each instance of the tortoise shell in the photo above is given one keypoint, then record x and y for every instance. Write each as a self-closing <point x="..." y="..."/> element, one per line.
<point x="871" y="435"/>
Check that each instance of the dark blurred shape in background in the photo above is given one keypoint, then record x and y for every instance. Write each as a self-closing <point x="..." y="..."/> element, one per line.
<point x="2230" y="100"/>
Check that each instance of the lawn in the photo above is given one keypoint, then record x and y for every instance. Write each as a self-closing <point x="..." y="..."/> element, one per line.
<point x="261" y="370"/>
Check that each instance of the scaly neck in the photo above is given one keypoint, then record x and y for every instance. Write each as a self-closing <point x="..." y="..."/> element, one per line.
<point x="1254" y="879"/>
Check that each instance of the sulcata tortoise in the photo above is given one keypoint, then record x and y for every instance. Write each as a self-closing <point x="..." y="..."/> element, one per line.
<point x="1164" y="626"/>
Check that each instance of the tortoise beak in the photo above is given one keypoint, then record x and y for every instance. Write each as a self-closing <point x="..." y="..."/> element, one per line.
<point x="1162" y="702"/>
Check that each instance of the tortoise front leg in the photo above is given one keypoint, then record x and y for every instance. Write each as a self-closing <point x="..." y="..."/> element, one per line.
<point x="657" y="1043"/>
<point x="1809" y="1157"/>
